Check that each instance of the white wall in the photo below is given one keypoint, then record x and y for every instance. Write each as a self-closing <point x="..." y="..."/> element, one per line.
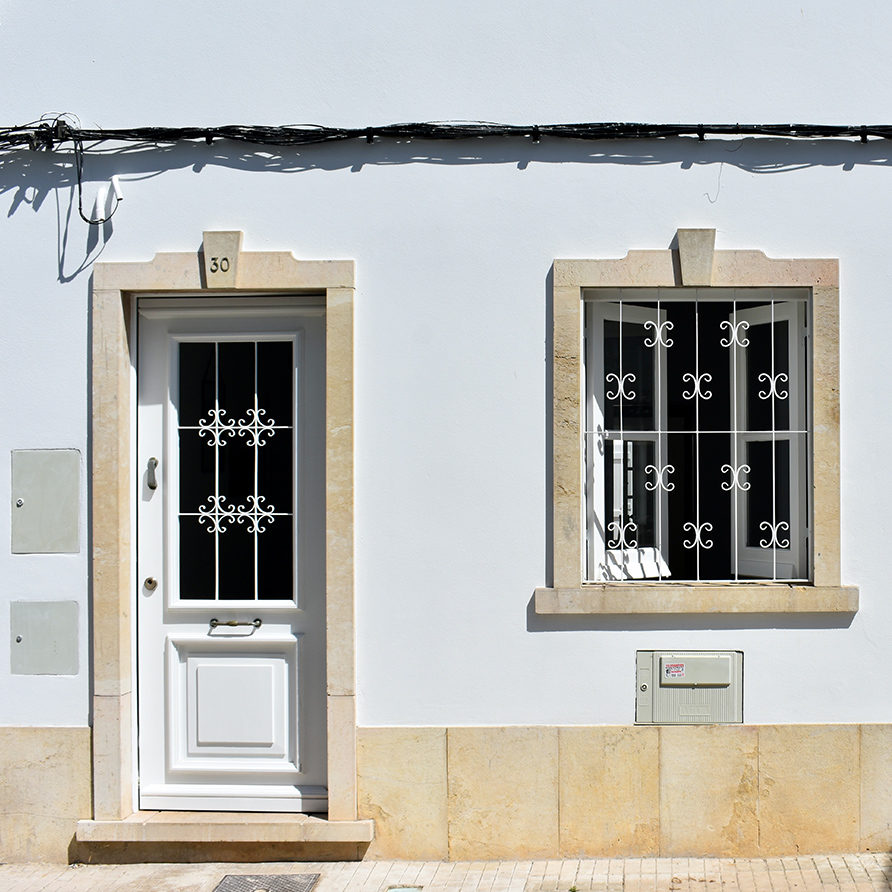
<point x="453" y="245"/>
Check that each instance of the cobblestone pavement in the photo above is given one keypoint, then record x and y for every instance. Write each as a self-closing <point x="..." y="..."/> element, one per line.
<point x="852" y="872"/>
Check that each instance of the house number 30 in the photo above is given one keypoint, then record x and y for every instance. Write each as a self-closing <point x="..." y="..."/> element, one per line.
<point x="219" y="264"/>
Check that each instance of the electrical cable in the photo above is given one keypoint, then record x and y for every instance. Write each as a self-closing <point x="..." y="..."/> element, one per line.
<point x="47" y="134"/>
<point x="51" y="131"/>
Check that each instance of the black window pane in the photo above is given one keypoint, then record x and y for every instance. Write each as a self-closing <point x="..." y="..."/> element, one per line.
<point x="681" y="361"/>
<point x="767" y="385"/>
<point x="197" y="375"/>
<point x="681" y="505"/>
<point x="768" y="500"/>
<point x="638" y="367"/>
<point x="611" y="375"/>
<point x="782" y="370"/>
<point x="197" y="559"/>
<point x="716" y="505"/>
<point x="715" y="361"/>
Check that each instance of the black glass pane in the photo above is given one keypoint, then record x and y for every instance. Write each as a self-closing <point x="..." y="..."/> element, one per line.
<point x="275" y="471"/>
<point x="197" y="382"/>
<point x="196" y="470"/>
<point x="782" y="369"/>
<point x="768" y="500"/>
<point x="611" y="375"/>
<point x="715" y="361"/>
<point x="276" y="560"/>
<point x="758" y="365"/>
<point x="236" y="379"/>
<point x="681" y="366"/>
<point x="632" y="386"/>
<point x="236" y="470"/>
<point x="275" y="378"/>
<point x="197" y="559"/>
<point x="237" y="562"/>
<point x="767" y="390"/>
<point x="639" y="401"/>
<point x="681" y="506"/>
<point x="716" y="505"/>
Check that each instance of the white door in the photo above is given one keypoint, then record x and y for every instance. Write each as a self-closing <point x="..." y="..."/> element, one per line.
<point x="230" y="588"/>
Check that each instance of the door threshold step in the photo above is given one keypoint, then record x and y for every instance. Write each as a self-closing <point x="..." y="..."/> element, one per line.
<point x="222" y="827"/>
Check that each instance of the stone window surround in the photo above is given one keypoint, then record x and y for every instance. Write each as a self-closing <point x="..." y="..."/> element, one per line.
<point x="114" y="290"/>
<point x="694" y="263"/>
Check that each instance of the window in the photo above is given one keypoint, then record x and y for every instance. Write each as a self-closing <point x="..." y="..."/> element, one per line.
<point x="696" y="440"/>
<point x="695" y="434"/>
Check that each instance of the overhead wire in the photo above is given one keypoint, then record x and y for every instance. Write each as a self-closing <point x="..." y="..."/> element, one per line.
<point x="47" y="134"/>
<point x="51" y="131"/>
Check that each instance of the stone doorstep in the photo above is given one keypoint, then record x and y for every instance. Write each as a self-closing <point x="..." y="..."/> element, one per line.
<point x="224" y="827"/>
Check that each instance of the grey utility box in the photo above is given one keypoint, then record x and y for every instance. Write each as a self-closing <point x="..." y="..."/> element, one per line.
<point x="43" y="637"/>
<point x="45" y="501"/>
<point x="689" y="687"/>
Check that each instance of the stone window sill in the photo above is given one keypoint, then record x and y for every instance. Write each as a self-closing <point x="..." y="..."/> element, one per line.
<point x="679" y="598"/>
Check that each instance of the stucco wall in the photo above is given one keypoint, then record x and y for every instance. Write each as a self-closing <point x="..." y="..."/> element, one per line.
<point x="453" y="244"/>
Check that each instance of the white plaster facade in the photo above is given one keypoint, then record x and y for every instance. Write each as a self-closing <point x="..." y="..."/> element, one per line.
<point x="453" y="245"/>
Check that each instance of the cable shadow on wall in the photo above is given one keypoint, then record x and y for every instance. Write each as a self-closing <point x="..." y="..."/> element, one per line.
<point x="30" y="176"/>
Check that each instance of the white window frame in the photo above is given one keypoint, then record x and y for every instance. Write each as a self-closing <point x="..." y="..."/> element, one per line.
<point x="613" y="552"/>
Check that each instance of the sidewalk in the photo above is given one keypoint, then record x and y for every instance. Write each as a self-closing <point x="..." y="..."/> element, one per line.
<point x="853" y="872"/>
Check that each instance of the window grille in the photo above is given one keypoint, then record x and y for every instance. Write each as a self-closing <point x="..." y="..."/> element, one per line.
<point x="697" y="442"/>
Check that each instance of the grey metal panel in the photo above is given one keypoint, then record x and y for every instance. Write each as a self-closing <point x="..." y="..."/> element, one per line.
<point x="45" y="501"/>
<point x="694" y="691"/>
<point x="43" y="637"/>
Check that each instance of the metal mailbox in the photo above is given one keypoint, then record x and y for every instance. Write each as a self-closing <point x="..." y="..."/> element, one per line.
<point x="689" y="687"/>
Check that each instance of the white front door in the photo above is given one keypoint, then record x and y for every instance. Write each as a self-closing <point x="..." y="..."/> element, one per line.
<point x="231" y="587"/>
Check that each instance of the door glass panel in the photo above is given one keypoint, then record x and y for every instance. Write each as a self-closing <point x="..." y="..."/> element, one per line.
<point x="198" y="381"/>
<point x="235" y="379"/>
<point x="198" y="573"/>
<point x="236" y="470"/>
<point x="198" y="470"/>
<point x="275" y="560"/>
<point x="275" y="379"/>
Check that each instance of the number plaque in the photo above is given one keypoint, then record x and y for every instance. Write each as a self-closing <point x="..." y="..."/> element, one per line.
<point x="221" y="252"/>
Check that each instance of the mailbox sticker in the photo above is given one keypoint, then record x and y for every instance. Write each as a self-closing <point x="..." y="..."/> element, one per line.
<point x="673" y="670"/>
